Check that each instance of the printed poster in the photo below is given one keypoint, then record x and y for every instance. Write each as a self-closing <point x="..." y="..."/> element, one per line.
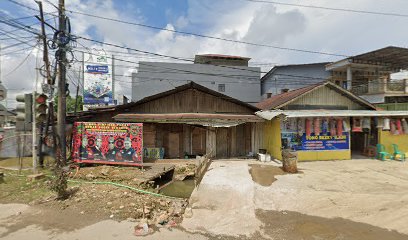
<point x="108" y="143"/>
<point x="321" y="142"/>
<point x="98" y="82"/>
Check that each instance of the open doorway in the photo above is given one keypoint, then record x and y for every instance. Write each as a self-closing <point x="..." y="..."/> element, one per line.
<point x="363" y="143"/>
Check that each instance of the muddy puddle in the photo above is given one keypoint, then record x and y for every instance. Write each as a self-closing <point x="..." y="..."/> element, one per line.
<point x="264" y="175"/>
<point x="180" y="189"/>
<point x="294" y="225"/>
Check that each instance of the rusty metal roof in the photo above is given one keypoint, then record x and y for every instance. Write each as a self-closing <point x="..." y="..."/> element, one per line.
<point x="203" y="119"/>
<point x="281" y="100"/>
<point x="223" y="56"/>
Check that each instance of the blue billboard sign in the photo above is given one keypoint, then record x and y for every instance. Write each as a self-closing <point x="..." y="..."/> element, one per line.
<point x="320" y="142"/>
<point x="101" y="69"/>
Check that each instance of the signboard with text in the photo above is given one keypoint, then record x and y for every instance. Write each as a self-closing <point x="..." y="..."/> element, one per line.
<point x="320" y="142"/>
<point x="108" y="143"/>
<point x="98" y="81"/>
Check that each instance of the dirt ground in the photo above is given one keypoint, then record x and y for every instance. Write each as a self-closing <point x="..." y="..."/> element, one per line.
<point x="98" y="201"/>
<point x="358" y="199"/>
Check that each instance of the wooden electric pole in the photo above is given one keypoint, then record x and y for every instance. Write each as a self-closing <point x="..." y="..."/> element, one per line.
<point x="61" y="115"/>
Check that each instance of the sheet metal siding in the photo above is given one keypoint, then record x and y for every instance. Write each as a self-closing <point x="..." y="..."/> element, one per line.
<point x="326" y="96"/>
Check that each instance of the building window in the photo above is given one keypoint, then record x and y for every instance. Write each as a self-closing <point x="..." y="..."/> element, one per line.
<point x="344" y="84"/>
<point x="337" y="82"/>
<point x="268" y="95"/>
<point x="221" y="87"/>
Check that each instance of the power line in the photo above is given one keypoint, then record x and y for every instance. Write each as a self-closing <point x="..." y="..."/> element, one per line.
<point x="29" y="8"/>
<point x="331" y="8"/>
<point x="20" y="64"/>
<point x="210" y="37"/>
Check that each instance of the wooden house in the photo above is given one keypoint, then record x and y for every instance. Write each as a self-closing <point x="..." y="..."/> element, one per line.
<point x="189" y="120"/>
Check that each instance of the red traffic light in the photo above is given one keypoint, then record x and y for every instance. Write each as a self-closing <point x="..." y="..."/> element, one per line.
<point x="41" y="99"/>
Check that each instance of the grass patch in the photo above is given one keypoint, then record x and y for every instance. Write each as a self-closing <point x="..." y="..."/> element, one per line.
<point x="27" y="162"/>
<point x="17" y="189"/>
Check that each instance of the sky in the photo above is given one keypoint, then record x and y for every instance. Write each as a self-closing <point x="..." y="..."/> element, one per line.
<point x="290" y="27"/>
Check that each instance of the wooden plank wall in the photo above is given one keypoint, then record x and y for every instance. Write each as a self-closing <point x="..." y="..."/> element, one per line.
<point x="214" y="142"/>
<point x="190" y="101"/>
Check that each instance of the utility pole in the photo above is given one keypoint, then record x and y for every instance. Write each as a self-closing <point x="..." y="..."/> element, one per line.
<point x="50" y="81"/>
<point x="61" y="84"/>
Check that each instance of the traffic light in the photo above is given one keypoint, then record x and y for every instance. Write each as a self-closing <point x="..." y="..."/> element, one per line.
<point x="25" y="111"/>
<point x="41" y="108"/>
<point x="3" y="109"/>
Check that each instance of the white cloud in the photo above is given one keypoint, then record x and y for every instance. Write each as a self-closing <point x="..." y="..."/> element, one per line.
<point x="286" y="26"/>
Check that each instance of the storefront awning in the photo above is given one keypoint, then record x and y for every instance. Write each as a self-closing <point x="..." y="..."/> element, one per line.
<point x="268" y="115"/>
<point x="202" y="119"/>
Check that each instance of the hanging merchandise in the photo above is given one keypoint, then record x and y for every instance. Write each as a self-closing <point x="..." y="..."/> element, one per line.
<point x="300" y="126"/>
<point x="399" y="126"/>
<point x="366" y="123"/>
<point x="325" y="126"/>
<point x="346" y="125"/>
<point x="308" y="126"/>
<point x="386" y="124"/>
<point x="380" y="122"/>
<point x="393" y="127"/>
<point x="339" y="126"/>
<point x="332" y="127"/>
<point x="357" y="125"/>
<point x="316" y="124"/>
<point x="405" y="125"/>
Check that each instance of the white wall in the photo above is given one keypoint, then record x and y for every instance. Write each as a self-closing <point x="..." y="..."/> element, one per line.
<point x="242" y="83"/>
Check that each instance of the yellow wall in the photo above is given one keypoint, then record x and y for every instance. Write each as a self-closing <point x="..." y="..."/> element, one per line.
<point x="323" y="155"/>
<point x="272" y="138"/>
<point x="386" y="138"/>
<point x="273" y="144"/>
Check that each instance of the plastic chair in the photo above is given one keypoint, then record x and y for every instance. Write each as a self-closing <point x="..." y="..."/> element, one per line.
<point x="382" y="154"/>
<point x="398" y="152"/>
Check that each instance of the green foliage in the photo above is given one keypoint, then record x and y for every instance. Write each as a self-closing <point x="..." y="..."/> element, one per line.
<point x="70" y="104"/>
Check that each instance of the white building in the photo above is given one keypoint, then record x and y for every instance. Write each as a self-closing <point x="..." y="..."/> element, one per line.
<point x="229" y="75"/>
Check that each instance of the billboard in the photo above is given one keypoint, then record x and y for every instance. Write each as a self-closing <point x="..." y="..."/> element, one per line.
<point x="321" y="142"/>
<point x="108" y="143"/>
<point x="98" y="81"/>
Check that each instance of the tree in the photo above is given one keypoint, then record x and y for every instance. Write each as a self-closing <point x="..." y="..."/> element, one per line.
<point x="70" y="104"/>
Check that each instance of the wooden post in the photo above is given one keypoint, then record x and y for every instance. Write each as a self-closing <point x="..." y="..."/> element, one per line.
<point x="61" y="114"/>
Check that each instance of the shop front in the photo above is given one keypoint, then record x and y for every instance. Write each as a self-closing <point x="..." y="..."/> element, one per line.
<point x="334" y="134"/>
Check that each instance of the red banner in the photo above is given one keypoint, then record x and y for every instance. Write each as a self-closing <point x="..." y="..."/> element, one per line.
<point x="108" y="143"/>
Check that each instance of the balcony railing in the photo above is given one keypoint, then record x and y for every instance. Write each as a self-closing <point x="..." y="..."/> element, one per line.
<point x="381" y="86"/>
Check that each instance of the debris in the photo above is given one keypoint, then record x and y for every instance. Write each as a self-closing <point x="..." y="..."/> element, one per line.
<point x="82" y="212"/>
<point x="111" y="216"/>
<point x="142" y="229"/>
<point x="188" y="213"/>
<point x="34" y="177"/>
<point x="90" y="176"/>
<point x="162" y="219"/>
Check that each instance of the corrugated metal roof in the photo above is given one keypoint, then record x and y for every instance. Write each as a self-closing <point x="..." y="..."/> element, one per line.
<point x="270" y="114"/>
<point x="396" y="57"/>
<point x="203" y="119"/>
<point x="277" y="100"/>
<point x="281" y="100"/>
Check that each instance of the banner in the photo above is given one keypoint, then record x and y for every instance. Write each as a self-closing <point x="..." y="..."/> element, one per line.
<point x="98" y="82"/>
<point x="108" y="143"/>
<point x="320" y="142"/>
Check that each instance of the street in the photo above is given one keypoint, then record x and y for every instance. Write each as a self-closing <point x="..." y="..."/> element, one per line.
<point x="244" y="199"/>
